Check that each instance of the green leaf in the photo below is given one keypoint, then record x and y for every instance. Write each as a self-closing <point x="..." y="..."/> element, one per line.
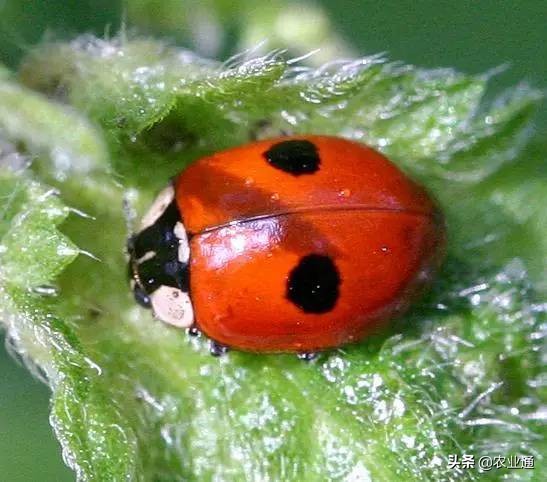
<point x="135" y="399"/>
<point x="43" y="127"/>
<point x="4" y="72"/>
<point x="215" y="27"/>
<point x="33" y="253"/>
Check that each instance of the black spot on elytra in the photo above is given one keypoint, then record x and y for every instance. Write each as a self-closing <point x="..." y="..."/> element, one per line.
<point x="295" y="157"/>
<point x="314" y="283"/>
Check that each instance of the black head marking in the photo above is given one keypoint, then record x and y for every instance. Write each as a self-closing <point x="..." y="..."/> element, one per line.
<point x="158" y="236"/>
<point x="295" y="157"/>
<point x="154" y="257"/>
<point x="314" y="283"/>
<point x="163" y="270"/>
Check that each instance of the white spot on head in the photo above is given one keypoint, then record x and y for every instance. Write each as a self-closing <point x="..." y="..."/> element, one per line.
<point x="163" y="199"/>
<point x="184" y="247"/>
<point x="147" y="256"/>
<point x="172" y="306"/>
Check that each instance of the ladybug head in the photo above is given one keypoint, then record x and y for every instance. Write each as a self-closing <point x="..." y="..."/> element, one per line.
<point x="159" y="262"/>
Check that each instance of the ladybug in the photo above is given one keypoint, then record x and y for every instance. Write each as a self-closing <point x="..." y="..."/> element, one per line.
<point x="293" y="244"/>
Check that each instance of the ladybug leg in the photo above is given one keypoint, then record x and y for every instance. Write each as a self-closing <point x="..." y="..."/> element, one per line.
<point x="193" y="331"/>
<point x="217" y="349"/>
<point x="141" y="297"/>
<point x="307" y="355"/>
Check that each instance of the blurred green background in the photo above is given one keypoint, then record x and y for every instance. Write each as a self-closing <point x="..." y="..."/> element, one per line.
<point x="468" y="35"/>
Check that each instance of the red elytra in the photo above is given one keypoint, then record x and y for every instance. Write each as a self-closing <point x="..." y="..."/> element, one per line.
<point x="302" y="243"/>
